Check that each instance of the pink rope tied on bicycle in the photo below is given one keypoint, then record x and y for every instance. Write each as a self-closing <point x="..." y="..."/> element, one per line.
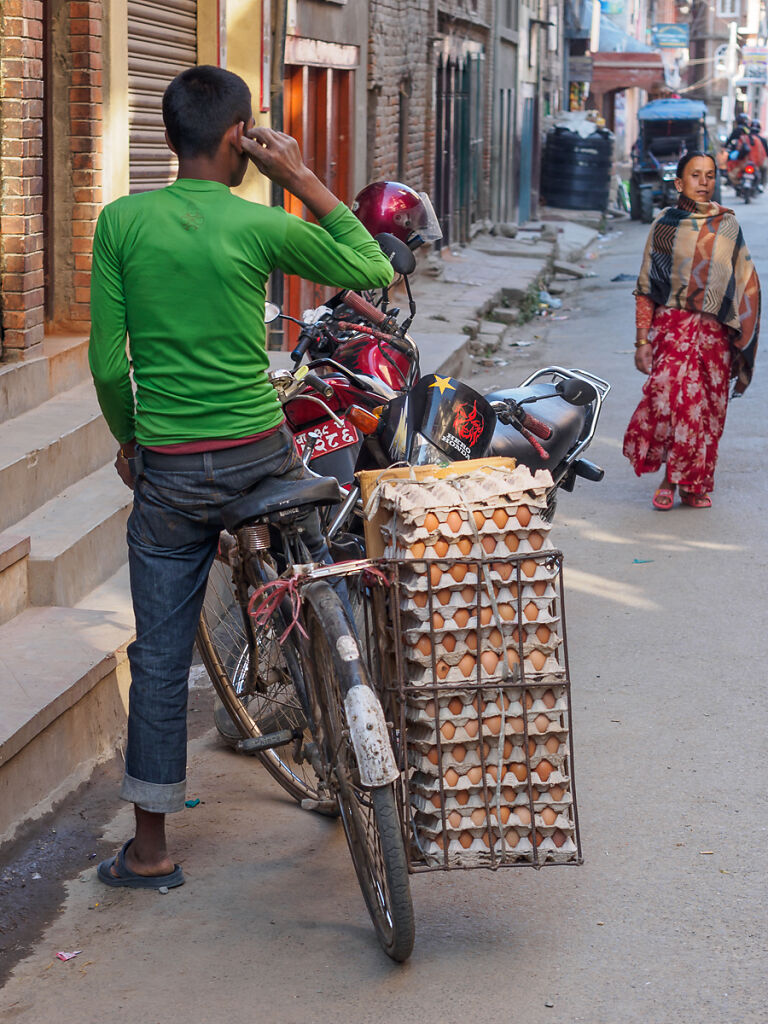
<point x="373" y="575"/>
<point x="273" y="594"/>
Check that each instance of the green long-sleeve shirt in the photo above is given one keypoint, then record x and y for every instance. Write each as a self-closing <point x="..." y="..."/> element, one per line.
<point x="183" y="272"/>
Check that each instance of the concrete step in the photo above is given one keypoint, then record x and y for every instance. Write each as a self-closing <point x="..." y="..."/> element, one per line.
<point x="14" y="575"/>
<point x="46" y="449"/>
<point x="23" y="385"/>
<point x="63" y="697"/>
<point x="77" y="538"/>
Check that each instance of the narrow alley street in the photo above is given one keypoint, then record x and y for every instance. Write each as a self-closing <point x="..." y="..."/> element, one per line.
<point x="664" y="922"/>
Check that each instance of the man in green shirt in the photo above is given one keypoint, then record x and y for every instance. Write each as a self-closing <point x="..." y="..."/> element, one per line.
<point x="182" y="273"/>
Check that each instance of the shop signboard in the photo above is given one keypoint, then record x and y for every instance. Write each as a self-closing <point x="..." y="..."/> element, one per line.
<point x="755" y="64"/>
<point x="669" y="36"/>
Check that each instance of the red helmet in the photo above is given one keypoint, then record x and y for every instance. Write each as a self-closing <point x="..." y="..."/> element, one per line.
<point x="389" y="206"/>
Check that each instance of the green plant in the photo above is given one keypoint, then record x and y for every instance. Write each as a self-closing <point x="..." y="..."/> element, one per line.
<point x="529" y="304"/>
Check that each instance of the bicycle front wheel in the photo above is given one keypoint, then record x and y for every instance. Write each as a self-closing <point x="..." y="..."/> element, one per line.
<point x="369" y="816"/>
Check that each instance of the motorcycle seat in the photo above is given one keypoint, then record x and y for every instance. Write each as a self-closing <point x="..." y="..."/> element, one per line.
<point x="567" y="423"/>
<point x="281" y="501"/>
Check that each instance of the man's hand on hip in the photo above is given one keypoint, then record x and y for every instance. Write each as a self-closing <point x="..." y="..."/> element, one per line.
<point x="122" y="465"/>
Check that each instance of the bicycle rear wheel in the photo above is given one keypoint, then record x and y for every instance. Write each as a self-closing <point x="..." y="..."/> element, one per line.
<point x="244" y="711"/>
<point x="369" y="816"/>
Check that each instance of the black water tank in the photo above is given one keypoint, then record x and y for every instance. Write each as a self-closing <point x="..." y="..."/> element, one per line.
<point x="576" y="171"/>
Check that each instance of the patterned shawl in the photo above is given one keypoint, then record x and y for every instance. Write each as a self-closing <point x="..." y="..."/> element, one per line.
<point x="696" y="259"/>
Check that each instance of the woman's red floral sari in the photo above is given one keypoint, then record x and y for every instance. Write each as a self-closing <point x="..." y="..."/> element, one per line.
<point x="681" y="415"/>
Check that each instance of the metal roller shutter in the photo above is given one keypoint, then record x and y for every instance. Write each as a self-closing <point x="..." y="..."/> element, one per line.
<point x="162" y="41"/>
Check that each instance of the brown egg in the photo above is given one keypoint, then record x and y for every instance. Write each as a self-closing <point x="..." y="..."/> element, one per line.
<point x="495" y="638"/>
<point x="511" y="838"/>
<point x="543" y="633"/>
<point x="418" y="548"/>
<point x="437" y="620"/>
<point x="489" y="660"/>
<point x="538" y="839"/>
<point x="531" y="747"/>
<point x="513" y="658"/>
<point x="439" y="841"/>
<point x="455" y="706"/>
<point x="461" y="617"/>
<point x="466" y="840"/>
<point x="471" y="640"/>
<point x="432" y="755"/>
<point x="459" y="752"/>
<point x="548" y="697"/>
<point x="540" y="587"/>
<point x="552" y="745"/>
<point x="523" y="515"/>
<point x="454" y="521"/>
<point x="449" y="642"/>
<point x="508" y="794"/>
<point x="507" y="752"/>
<point x="465" y="545"/>
<point x="502" y="569"/>
<point x="528" y="701"/>
<point x="537" y="659"/>
<point x="429" y="708"/>
<point x="559" y="837"/>
<point x="462" y="797"/>
<point x="535" y="539"/>
<point x="504" y="817"/>
<point x="516" y="724"/>
<point x="424" y="646"/>
<point x="435" y="574"/>
<point x="557" y="792"/>
<point x="444" y="596"/>
<point x="479" y="518"/>
<point x="528" y="567"/>
<point x="524" y="814"/>
<point x="471" y="728"/>
<point x="548" y="816"/>
<point x="478" y="816"/>
<point x="489" y="544"/>
<point x="475" y="775"/>
<point x="492" y="771"/>
<point x="468" y="594"/>
<point x="448" y="730"/>
<point x="442" y="669"/>
<point x="507" y="612"/>
<point x="500" y="517"/>
<point x="512" y="541"/>
<point x="420" y="600"/>
<point x="486" y="614"/>
<point x="544" y="769"/>
<point x="519" y="770"/>
<point x="431" y="522"/>
<point x="467" y="665"/>
<point x="454" y="819"/>
<point x="458" y="572"/>
<point x="451" y="777"/>
<point x="493" y="724"/>
<point x="435" y="800"/>
<point x="441" y="548"/>
<point x="541" y="722"/>
<point x="531" y="611"/>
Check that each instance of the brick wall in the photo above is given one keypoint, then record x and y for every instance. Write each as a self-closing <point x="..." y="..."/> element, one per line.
<point x="74" y="163"/>
<point x="21" y="170"/>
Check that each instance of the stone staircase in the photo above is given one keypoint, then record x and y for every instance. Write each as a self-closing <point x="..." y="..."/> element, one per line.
<point x="65" y="613"/>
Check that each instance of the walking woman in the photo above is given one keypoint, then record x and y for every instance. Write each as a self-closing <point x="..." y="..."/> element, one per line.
<point x="697" y="318"/>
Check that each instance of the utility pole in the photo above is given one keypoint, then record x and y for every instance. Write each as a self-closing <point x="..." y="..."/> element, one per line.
<point x="732" y="66"/>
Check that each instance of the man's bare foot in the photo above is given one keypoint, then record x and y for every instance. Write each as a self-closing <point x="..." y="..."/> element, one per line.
<point x="149" y="866"/>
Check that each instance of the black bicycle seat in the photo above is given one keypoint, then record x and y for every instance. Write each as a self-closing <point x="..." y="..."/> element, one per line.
<point x="281" y="501"/>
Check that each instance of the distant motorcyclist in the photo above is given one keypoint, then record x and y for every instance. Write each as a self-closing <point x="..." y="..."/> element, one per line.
<point x="755" y="130"/>
<point x="741" y="128"/>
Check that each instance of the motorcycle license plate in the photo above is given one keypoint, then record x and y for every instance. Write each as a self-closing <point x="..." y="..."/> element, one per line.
<point x="331" y="438"/>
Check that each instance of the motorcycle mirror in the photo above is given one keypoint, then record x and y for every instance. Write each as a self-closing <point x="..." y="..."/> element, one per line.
<point x="271" y="312"/>
<point x="575" y="391"/>
<point x="399" y="255"/>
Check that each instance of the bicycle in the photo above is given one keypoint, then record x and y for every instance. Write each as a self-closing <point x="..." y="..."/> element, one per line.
<point x="298" y="690"/>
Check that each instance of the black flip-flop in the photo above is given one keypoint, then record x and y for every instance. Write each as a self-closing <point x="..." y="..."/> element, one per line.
<point x="127" y="878"/>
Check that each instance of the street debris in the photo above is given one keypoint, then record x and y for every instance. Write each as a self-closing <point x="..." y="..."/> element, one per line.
<point x="641" y="561"/>
<point x="548" y="1002"/>
<point x="192" y="803"/>
<point x="706" y="853"/>
<point x="68" y="956"/>
<point x="624" y="277"/>
<point x="37" y="875"/>
<point x="163" y="889"/>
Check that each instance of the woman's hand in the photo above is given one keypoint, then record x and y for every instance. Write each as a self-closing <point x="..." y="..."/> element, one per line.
<point x="644" y="358"/>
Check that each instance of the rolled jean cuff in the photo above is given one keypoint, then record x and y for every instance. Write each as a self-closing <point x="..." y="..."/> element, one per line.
<point x="155" y="797"/>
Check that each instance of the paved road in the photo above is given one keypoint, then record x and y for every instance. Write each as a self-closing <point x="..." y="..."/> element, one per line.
<point x="667" y="659"/>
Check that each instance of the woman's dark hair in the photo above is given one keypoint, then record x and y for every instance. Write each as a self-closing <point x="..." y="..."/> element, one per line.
<point x="687" y="157"/>
<point x="200" y="104"/>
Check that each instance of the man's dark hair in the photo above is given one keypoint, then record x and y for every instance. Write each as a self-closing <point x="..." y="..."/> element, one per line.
<point x="200" y="104"/>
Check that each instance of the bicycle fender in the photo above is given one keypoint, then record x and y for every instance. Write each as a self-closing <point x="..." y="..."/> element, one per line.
<point x="368" y="731"/>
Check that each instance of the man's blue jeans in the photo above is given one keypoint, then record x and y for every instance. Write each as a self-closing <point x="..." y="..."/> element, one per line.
<point x="173" y="534"/>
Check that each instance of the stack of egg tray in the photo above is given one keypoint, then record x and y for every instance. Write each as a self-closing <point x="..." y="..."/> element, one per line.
<point x="483" y="690"/>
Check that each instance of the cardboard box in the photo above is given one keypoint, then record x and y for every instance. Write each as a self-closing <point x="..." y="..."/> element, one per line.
<point x="369" y="478"/>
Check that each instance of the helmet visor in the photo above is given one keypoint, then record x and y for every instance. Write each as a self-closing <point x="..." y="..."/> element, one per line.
<point x="430" y="231"/>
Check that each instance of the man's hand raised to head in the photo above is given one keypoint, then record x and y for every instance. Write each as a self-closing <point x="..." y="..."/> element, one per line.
<point x="278" y="157"/>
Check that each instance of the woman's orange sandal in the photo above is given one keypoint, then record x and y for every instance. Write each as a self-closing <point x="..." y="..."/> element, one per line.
<point x="695" y="500"/>
<point x="664" y="498"/>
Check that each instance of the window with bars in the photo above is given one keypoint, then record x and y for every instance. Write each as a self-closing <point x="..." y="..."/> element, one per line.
<point x="729" y="10"/>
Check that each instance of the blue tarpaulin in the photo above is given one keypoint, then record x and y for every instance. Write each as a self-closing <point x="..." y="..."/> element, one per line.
<point x="672" y="110"/>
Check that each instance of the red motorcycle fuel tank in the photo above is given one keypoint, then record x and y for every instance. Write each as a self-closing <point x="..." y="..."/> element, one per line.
<point x="364" y="355"/>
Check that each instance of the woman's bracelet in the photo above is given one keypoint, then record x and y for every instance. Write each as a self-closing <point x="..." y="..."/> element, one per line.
<point x="641" y="342"/>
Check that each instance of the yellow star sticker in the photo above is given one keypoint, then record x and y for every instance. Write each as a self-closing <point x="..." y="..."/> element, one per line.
<point x="444" y="383"/>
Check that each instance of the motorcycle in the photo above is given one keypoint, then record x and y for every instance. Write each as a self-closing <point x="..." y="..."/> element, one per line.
<point x="361" y="403"/>
<point x="743" y="174"/>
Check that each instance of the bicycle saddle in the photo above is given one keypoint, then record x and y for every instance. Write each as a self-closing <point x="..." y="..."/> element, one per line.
<point x="280" y="500"/>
